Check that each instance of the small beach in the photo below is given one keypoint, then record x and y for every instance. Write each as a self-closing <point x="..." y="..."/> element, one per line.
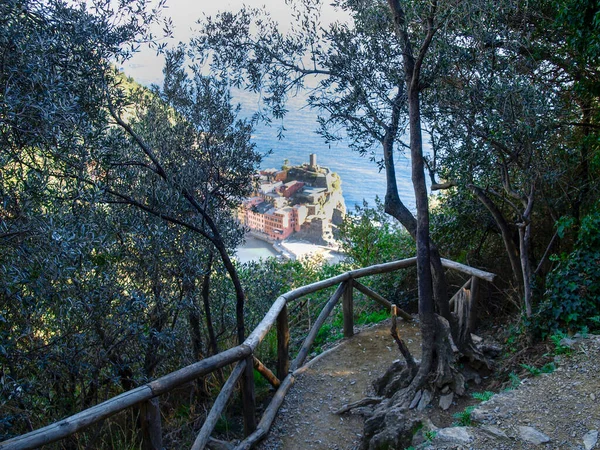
<point x="304" y="249"/>
<point x="255" y="249"/>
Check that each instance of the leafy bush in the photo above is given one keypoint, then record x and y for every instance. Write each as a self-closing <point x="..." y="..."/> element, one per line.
<point x="572" y="297"/>
<point x="370" y="236"/>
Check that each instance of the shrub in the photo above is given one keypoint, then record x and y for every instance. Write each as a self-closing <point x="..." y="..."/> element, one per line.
<point x="572" y="297"/>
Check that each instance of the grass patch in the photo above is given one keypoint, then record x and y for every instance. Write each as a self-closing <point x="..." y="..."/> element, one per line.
<point x="327" y="334"/>
<point x="560" y="349"/>
<point x="515" y="381"/>
<point x="463" y="418"/>
<point x="482" y="396"/>
<point x="536" y="371"/>
<point x="371" y="317"/>
<point x="430" y="435"/>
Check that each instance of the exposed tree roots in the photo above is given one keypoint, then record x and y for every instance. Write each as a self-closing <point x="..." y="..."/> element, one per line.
<point x="408" y="385"/>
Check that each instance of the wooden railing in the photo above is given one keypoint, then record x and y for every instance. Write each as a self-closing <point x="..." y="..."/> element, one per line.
<point x="243" y="355"/>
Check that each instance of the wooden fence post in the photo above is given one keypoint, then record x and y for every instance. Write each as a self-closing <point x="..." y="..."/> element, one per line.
<point x="248" y="397"/>
<point x="348" y="310"/>
<point x="283" y="344"/>
<point x="472" y="321"/>
<point x="151" y="425"/>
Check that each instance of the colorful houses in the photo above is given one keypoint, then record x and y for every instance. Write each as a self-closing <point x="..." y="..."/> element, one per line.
<point x="305" y="199"/>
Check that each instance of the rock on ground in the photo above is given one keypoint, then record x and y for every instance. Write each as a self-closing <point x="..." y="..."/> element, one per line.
<point x="551" y="411"/>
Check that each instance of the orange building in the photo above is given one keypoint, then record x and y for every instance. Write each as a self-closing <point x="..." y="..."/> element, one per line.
<point x="289" y="189"/>
<point x="278" y="223"/>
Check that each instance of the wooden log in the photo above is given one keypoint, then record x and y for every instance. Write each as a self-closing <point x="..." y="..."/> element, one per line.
<point x="383" y="268"/>
<point x="488" y="276"/>
<point x="261" y="330"/>
<point x="87" y="417"/>
<point x="381" y="300"/>
<point x="76" y="422"/>
<point x="248" y="397"/>
<point x="265" y="325"/>
<point x="357" y="273"/>
<point x="312" y="334"/>
<point x="151" y="425"/>
<point x="473" y="305"/>
<point x="348" y="309"/>
<point x="461" y="309"/>
<point x="266" y="373"/>
<point x="373" y="295"/>
<point x="269" y="415"/>
<point x="218" y="407"/>
<point x="208" y="365"/>
<point x="452" y="301"/>
<point x="283" y="344"/>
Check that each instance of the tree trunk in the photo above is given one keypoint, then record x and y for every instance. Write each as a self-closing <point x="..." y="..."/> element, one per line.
<point x="424" y="276"/>
<point x="151" y="424"/>
<point x="239" y="290"/>
<point x="524" y="244"/>
<point x="511" y="249"/>
<point x="194" y="321"/>
<point x="395" y="208"/>
<point x="212" y="338"/>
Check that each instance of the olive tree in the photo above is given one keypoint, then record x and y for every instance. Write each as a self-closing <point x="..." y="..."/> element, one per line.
<point x="366" y="76"/>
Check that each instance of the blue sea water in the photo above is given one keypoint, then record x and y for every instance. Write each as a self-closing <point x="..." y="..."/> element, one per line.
<point x="361" y="178"/>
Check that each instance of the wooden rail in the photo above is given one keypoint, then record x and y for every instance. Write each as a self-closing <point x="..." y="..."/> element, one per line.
<point x="243" y="355"/>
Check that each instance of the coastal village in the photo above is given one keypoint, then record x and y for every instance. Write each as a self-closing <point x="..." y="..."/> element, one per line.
<point x="304" y="201"/>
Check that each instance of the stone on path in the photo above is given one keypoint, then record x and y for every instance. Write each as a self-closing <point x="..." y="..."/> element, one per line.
<point x="590" y="439"/>
<point x="415" y="400"/>
<point x="446" y="400"/>
<point x="532" y="435"/>
<point x="425" y="400"/>
<point x="454" y="435"/>
<point x="494" y="431"/>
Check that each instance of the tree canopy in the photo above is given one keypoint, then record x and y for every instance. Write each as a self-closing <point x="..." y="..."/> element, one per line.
<point x="116" y="214"/>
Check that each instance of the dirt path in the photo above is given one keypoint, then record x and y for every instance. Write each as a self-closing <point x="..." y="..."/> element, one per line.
<point x="344" y="374"/>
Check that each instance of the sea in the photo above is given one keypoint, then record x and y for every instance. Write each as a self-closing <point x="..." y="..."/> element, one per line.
<point x="295" y="138"/>
<point x="362" y="179"/>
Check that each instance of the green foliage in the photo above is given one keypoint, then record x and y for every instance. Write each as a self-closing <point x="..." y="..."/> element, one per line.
<point x="556" y="339"/>
<point x="463" y="418"/>
<point x="327" y="334"/>
<point x="430" y="435"/>
<point x="531" y="369"/>
<point x="483" y="396"/>
<point x="372" y="317"/>
<point x="535" y="371"/>
<point x="572" y="297"/>
<point x="563" y="224"/>
<point x="97" y="297"/>
<point x="514" y="380"/>
<point x="223" y="425"/>
<point x="259" y="381"/>
<point x="548" y="368"/>
<point x="370" y="236"/>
